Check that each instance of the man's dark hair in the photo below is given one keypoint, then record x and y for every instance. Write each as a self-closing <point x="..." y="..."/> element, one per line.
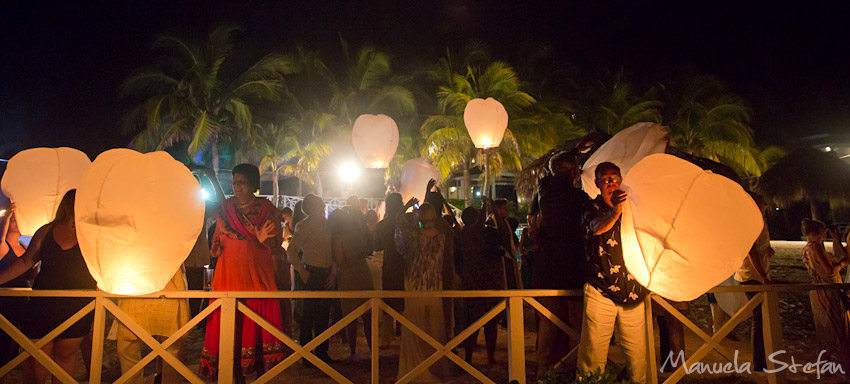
<point x="562" y="161"/>
<point x="604" y="167"/>
<point x="250" y="171"/>
<point x="392" y="204"/>
<point x="469" y="215"/>
<point x="286" y="211"/>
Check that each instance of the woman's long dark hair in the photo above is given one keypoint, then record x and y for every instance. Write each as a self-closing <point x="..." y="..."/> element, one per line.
<point x="65" y="212"/>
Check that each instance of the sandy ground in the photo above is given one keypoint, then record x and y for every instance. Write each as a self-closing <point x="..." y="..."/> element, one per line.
<point x="797" y="329"/>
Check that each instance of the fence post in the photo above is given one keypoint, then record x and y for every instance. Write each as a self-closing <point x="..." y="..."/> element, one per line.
<point x="98" y="330"/>
<point x="772" y="325"/>
<point x="375" y="342"/>
<point x="516" y="341"/>
<point x="651" y="367"/>
<point x="227" y="335"/>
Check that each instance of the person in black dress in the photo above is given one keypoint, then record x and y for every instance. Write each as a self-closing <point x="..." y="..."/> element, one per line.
<point x="62" y="267"/>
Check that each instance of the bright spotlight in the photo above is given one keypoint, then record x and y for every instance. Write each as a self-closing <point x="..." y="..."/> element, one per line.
<point x="205" y="195"/>
<point x="478" y="193"/>
<point x="348" y="172"/>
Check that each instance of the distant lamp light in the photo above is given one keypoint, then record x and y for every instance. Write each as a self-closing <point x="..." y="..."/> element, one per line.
<point x="777" y="208"/>
<point x="348" y="172"/>
<point x="478" y="193"/>
<point x="453" y="189"/>
<point x="828" y="149"/>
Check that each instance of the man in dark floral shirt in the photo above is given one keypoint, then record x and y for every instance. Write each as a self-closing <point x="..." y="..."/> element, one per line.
<point x="613" y="299"/>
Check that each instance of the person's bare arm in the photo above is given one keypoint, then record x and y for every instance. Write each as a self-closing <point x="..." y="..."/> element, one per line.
<point x="4" y="230"/>
<point x="28" y="259"/>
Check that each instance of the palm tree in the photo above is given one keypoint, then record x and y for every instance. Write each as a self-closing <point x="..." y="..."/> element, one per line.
<point x="186" y="97"/>
<point x="322" y="104"/>
<point x="708" y="121"/>
<point x="613" y="105"/>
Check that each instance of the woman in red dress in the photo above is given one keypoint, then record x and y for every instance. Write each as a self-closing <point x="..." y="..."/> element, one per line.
<point x="247" y="237"/>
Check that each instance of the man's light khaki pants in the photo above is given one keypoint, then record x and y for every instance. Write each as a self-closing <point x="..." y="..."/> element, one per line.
<point x="601" y="319"/>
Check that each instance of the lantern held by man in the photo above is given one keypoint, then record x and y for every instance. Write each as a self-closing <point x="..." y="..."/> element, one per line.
<point x="486" y="121"/>
<point x="625" y="150"/>
<point x="36" y="180"/>
<point x="684" y="230"/>
<point x="415" y="174"/>
<point x="137" y="216"/>
<point x="375" y="139"/>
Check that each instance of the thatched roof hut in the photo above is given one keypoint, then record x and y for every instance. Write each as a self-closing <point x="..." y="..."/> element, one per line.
<point x="806" y="174"/>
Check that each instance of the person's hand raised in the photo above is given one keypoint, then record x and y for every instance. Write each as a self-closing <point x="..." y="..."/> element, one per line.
<point x="413" y="201"/>
<point x="431" y="184"/>
<point x="266" y="232"/>
<point x="618" y="197"/>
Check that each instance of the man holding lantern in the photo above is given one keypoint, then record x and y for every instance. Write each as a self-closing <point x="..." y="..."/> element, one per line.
<point x="613" y="299"/>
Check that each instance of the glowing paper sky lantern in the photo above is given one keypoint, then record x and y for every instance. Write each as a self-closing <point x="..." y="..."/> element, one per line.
<point x="625" y="150"/>
<point x="415" y="174"/>
<point x="486" y="121"/>
<point x="36" y="179"/>
<point x="684" y="230"/>
<point x="138" y="216"/>
<point x="375" y="139"/>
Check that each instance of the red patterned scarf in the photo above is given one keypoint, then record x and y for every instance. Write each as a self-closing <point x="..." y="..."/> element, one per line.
<point x="242" y="224"/>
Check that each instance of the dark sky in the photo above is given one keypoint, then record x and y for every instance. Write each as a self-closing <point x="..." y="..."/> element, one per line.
<point x="61" y="62"/>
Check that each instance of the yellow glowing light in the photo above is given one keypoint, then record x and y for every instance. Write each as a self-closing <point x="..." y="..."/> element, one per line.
<point x="348" y="172"/>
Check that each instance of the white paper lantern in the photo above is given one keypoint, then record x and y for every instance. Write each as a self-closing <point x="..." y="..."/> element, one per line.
<point x="486" y="121"/>
<point x="138" y="217"/>
<point x="415" y="174"/>
<point x="375" y="139"/>
<point x="625" y="150"/>
<point x="684" y="230"/>
<point x="36" y="179"/>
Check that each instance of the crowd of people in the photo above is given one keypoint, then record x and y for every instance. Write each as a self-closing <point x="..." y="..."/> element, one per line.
<point x="572" y="242"/>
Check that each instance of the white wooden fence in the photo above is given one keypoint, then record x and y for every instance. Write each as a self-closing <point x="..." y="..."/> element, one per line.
<point x="512" y="304"/>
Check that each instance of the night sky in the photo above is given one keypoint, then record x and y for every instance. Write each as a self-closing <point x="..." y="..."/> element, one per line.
<point x="62" y="61"/>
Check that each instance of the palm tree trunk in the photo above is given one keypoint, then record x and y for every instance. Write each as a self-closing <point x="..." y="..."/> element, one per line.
<point x="275" y="186"/>
<point x="318" y="178"/>
<point x="300" y="191"/>
<point x="467" y="195"/>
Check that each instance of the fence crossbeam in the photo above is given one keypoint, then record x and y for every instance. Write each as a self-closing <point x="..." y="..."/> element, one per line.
<point x="444" y="350"/>
<point x="168" y="342"/>
<point x="154" y="345"/>
<point x="706" y="347"/>
<point x="305" y="351"/>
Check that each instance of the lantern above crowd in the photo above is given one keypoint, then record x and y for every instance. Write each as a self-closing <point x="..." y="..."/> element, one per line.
<point x="375" y="139"/>
<point x="138" y="217"/>
<point x="684" y="230"/>
<point x="36" y="180"/>
<point x="625" y="149"/>
<point x="486" y="121"/>
<point x="415" y="174"/>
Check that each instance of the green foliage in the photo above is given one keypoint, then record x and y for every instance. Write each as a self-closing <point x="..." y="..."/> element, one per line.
<point x="599" y="377"/>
